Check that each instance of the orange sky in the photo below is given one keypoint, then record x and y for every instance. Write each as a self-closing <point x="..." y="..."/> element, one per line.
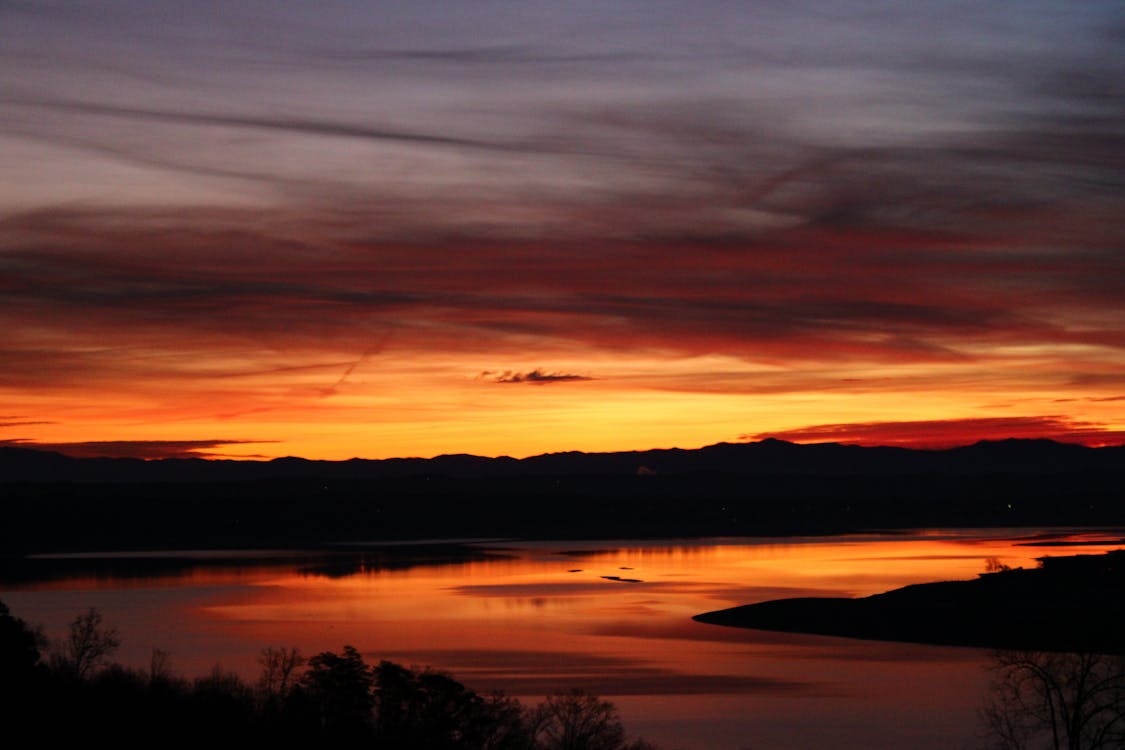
<point x="344" y="234"/>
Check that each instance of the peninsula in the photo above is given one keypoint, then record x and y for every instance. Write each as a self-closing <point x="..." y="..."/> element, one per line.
<point x="1072" y="603"/>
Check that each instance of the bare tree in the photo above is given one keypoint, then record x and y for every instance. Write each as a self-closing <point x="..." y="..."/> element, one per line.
<point x="577" y="720"/>
<point x="1056" y="700"/>
<point x="159" y="666"/>
<point x="993" y="565"/>
<point x="87" y="646"/>
<point x="278" y="667"/>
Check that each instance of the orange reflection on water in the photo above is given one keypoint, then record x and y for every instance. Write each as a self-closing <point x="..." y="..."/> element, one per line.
<point x="635" y="599"/>
<point x="614" y="618"/>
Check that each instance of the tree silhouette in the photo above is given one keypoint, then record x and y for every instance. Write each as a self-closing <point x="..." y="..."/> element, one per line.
<point x="503" y="725"/>
<point x="222" y="705"/>
<point x="159" y="666"/>
<point x="340" y="687"/>
<point x="87" y="645"/>
<point x="431" y="709"/>
<point x="19" y="647"/>
<point x="278" y="668"/>
<point x="577" y="720"/>
<point x="1056" y="700"/>
<point x="338" y="701"/>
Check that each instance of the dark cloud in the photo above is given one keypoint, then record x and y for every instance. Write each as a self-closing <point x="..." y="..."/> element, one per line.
<point x="145" y="449"/>
<point x="285" y="124"/>
<point x="533" y="377"/>
<point x="946" y="433"/>
<point x="223" y="281"/>
<point x="491" y="55"/>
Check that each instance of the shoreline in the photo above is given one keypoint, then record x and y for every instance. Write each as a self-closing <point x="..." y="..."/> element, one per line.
<point x="1071" y="603"/>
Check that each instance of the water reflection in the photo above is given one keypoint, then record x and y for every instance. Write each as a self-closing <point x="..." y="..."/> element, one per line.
<point x="92" y="570"/>
<point x="532" y="618"/>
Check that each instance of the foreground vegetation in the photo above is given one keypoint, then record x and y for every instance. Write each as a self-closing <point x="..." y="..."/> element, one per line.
<point x="1046" y="700"/>
<point x="71" y="691"/>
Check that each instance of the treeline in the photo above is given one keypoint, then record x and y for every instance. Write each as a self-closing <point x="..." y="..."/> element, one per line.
<point x="70" y="691"/>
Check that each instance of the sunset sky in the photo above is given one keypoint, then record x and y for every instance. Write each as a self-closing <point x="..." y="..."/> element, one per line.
<point x="379" y="229"/>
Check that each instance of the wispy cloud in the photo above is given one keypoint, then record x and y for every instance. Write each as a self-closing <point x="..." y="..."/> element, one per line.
<point x="368" y="354"/>
<point x="322" y="127"/>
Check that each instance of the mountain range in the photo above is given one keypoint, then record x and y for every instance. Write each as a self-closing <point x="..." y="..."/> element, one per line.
<point x="51" y="502"/>
<point x="768" y="456"/>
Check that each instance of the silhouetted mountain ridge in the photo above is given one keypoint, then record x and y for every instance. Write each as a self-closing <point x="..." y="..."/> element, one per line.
<point x="769" y="456"/>
<point x="51" y="502"/>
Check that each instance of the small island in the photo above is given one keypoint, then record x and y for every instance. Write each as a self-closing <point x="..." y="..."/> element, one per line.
<point x="1074" y="603"/>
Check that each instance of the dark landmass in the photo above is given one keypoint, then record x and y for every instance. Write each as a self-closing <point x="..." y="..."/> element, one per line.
<point x="50" y="502"/>
<point x="312" y="563"/>
<point x="1074" y="604"/>
<point x="770" y="457"/>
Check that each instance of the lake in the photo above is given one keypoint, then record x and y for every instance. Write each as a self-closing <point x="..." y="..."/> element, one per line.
<point x="613" y="617"/>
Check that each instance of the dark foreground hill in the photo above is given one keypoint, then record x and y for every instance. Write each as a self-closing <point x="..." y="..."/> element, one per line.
<point x="52" y="502"/>
<point x="1072" y="603"/>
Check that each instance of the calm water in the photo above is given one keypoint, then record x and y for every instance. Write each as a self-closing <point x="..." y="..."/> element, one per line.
<point x="533" y="618"/>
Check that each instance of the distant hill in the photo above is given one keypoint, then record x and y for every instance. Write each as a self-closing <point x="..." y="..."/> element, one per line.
<point x="766" y="457"/>
<point x="49" y="502"/>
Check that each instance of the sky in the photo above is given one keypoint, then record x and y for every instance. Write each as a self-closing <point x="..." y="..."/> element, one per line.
<point x="380" y="229"/>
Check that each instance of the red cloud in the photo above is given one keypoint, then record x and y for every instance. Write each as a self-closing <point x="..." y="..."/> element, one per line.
<point x="948" y="433"/>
